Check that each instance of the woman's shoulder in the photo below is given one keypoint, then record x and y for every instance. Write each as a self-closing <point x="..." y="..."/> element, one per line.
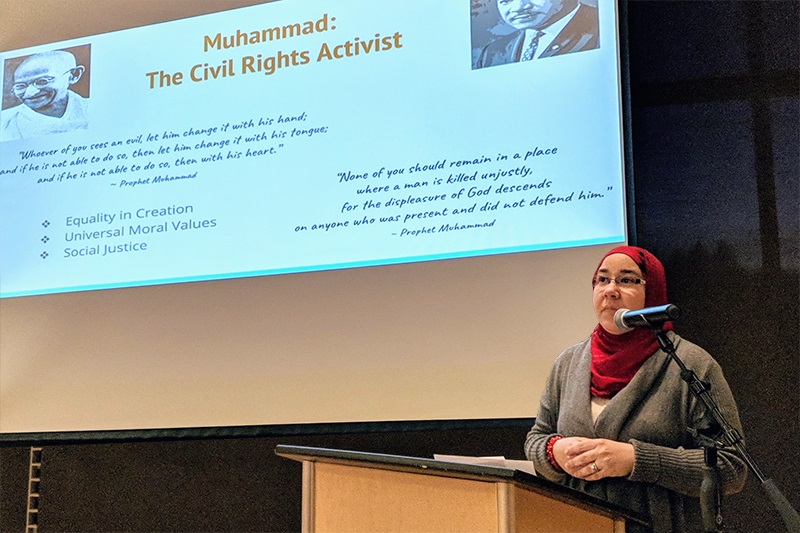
<point x="693" y="355"/>
<point x="574" y="353"/>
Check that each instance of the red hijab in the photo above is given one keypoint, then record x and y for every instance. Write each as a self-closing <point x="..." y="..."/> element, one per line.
<point x="617" y="358"/>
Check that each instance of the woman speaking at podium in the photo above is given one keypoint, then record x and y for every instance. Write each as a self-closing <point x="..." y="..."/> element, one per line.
<point x="615" y="416"/>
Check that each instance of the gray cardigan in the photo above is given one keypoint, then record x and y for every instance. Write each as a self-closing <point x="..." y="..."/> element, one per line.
<point x="652" y="412"/>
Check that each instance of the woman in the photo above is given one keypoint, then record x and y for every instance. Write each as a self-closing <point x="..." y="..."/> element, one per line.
<point x="614" y="413"/>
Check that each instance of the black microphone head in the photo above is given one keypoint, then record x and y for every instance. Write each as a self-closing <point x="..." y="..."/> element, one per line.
<point x="673" y="312"/>
<point x="620" y="322"/>
<point x="649" y="317"/>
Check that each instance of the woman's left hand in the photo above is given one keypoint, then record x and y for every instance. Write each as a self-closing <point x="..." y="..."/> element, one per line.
<point x="593" y="459"/>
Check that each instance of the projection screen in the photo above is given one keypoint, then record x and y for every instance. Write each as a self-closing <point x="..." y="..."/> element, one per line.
<point x="220" y="214"/>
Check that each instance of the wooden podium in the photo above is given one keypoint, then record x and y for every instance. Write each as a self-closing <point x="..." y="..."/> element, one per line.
<point x="366" y="492"/>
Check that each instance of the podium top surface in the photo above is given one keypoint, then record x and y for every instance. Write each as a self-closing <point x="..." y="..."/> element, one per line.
<point x="486" y="473"/>
<point x="398" y="462"/>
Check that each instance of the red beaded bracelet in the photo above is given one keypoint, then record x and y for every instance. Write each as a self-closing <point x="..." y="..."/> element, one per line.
<point x="549" y="451"/>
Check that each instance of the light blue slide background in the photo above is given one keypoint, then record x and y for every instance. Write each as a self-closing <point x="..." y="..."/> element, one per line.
<point x="414" y="104"/>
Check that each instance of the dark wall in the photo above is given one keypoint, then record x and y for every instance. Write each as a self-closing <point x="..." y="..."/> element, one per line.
<point x="715" y="147"/>
<point x="716" y="144"/>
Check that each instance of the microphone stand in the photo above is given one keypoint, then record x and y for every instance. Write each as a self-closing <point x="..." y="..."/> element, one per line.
<point x="725" y="436"/>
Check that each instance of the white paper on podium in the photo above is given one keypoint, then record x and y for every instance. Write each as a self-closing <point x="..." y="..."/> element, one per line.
<point x="514" y="464"/>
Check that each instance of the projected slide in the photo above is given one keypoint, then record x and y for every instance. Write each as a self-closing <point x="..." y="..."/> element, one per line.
<point x="299" y="136"/>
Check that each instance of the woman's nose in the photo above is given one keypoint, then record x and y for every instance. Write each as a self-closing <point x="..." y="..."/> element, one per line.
<point x="611" y="290"/>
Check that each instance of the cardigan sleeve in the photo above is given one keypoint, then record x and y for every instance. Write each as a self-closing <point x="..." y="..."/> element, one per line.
<point x="545" y="425"/>
<point x="681" y="469"/>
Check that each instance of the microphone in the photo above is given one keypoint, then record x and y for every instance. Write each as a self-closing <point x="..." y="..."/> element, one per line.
<point x="649" y="317"/>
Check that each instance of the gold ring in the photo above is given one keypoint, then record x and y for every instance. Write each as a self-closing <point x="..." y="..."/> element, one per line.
<point x="594" y="468"/>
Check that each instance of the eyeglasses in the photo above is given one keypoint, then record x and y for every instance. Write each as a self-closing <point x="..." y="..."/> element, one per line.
<point x="626" y="282"/>
<point x="39" y="83"/>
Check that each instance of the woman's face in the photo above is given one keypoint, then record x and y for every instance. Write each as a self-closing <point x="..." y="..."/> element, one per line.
<point x="610" y="297"/>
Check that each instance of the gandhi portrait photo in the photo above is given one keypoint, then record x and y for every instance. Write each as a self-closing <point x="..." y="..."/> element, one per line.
<point x="41" y="95"/>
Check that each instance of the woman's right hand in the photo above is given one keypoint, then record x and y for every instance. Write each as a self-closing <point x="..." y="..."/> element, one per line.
<point x="560" y="451"/>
